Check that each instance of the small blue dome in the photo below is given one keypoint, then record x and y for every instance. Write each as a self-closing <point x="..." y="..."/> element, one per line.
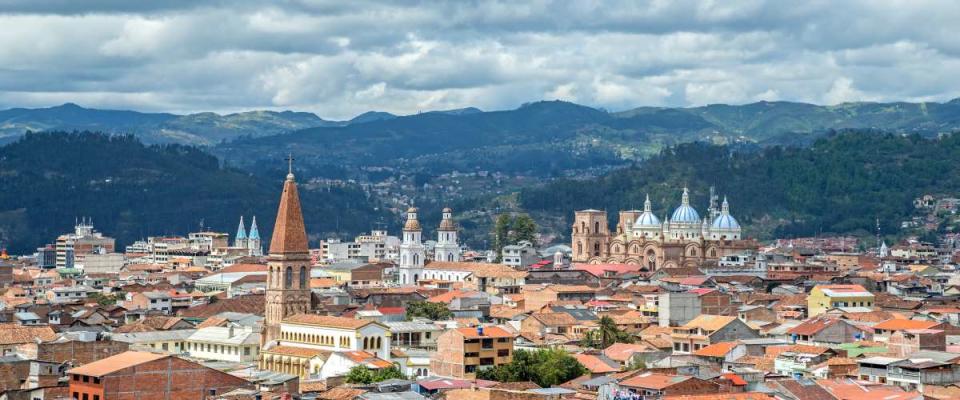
<point x="647" y="220"/>
<point x="726" y="221"/>
<point x="685" y="214"/>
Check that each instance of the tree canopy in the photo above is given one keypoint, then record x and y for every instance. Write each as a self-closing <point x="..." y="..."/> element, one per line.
<point x="547" y="367"/>
<point x="428" y="310"/>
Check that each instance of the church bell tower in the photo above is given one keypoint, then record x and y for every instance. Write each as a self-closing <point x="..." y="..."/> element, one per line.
<point x="288" y="276"/>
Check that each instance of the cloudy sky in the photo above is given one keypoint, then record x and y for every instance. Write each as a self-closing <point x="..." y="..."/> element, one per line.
<point x="341" y="58"/>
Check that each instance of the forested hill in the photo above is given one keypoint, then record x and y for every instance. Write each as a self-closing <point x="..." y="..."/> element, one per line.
<point x="131" y="191"/>
<point x="840" y="184"/>
<point x="546" y="137"/>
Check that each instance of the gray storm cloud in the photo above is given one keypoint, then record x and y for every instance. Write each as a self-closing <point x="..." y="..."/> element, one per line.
<point x="339" y="59"/>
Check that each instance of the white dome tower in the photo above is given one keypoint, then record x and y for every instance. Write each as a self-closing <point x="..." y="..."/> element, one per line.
<point x="685" y="221"/>
<point x="647" y="225"/>
<point x="412" y="252"/>
<point x="447" y="248"/>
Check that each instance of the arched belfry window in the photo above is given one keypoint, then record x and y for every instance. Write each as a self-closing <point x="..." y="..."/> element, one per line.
<point x="303" y="277"/>
<point x="288" y="279"/>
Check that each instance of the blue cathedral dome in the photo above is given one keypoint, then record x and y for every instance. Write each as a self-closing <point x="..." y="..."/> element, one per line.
<point x="647" y="219"/>
<point x="685" y="213"/>
<point x="726" y="221"/>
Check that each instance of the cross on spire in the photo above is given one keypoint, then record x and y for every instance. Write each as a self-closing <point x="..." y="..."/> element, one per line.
<point x="290" y="166"/>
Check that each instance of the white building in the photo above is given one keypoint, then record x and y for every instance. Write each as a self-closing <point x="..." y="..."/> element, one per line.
<point x="412" y="253"/>
<point x="447" y="247"/>
<point x="230" y="343"/>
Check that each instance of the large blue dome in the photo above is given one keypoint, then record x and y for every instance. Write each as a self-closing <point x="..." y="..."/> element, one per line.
<point x="685" y="214"/>
<point x="726" y="221"/>
<point x="647" y="220"/>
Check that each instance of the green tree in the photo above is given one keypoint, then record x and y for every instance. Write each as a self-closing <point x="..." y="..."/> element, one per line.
<point x="360" y="374"/>
<point x="428" y="310"/>
<point x="547" y="367"/>
<point x="392" y="372"/>
<point x="606" y="334"/>
<point x="512" y="230"/>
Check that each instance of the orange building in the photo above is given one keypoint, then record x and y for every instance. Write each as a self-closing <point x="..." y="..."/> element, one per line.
<point x="135" y="374"/>
<point x="461" y="352"/>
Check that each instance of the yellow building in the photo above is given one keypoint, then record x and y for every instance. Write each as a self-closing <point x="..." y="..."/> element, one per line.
<point x="824" y="297"/>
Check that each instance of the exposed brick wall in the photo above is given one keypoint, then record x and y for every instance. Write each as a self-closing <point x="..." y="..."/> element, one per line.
<point x="448" y="360"/>
<point x="80" y="353"/>
<point x="168" y="378"/>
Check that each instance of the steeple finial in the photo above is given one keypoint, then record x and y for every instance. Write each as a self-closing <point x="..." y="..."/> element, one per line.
<point x="647" y="206"/>
<point x="290" y="167"/>
<point x="685" y="200"/>
<point x="725" y="207"/>
<point x="289" y="234"/>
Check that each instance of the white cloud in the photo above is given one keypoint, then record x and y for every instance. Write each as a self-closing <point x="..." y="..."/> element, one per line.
<point x="339" y="59"/>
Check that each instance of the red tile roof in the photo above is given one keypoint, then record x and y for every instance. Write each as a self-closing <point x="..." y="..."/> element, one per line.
<point x="716" y="350"/>
<point x="115" y="363"/>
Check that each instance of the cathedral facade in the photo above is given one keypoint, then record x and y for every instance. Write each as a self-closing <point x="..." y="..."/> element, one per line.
<point x="640" y="238"/>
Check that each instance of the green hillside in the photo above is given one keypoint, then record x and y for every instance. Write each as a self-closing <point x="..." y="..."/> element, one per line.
<point x="131" y="190"/>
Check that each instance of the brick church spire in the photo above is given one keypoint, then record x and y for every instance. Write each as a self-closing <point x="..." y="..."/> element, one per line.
<point x="289" y="234"/>
<point x="288" y="266"/>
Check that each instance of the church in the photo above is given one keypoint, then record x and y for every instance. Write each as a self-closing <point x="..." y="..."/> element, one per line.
<point x="294" y="339"/>
<point x="683" y="240"/>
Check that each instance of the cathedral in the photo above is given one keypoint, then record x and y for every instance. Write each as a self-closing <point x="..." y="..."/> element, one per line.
<point x="250" y="241"/>
<point x="683" y="240"/>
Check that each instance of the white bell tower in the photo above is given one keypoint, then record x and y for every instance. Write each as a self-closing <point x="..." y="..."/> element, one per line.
<point x="412" y="252"/>
<point x="447" y="248"/>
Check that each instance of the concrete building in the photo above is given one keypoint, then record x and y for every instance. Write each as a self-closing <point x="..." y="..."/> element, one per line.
<point x="520" y="255"/>
<point x="462" y="352"/>
<point x="824" y="297"/>
<point x="84" y="240"/>
<point x="229" y="343"/>
<point x="705" y="330"/>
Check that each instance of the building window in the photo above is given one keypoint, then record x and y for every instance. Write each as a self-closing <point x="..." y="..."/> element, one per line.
<point x="303" y="277"/>
<point x="86" y="378"/>
<point x="85" y="397"/>
<point x="96" y="380"/>
<point x="246" y="351"/>
<point x="503" y="353"/>
<point x="96" y="397"/>
<point x="288" y="279"/>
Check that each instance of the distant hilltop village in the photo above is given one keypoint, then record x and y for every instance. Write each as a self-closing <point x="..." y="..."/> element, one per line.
<point x="683" y="240"/>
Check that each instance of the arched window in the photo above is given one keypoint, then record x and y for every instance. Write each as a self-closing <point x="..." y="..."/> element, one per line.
<point x="416" y="259"/>
<point x="288" y="279"/>
<point x="416" y="278"/>
<point x="449" y="256"/>
<point x="596" y="227"/>
<point x="303" y="277"/>
<point x="713" y="252"/>
<point x="583" y="227"/>
<point x="379" y="343"/>
<point x="580" y="248"/>
<point x="366" y="343"/>
<point x="403" y="259"/>
<point x="596" y="249"/>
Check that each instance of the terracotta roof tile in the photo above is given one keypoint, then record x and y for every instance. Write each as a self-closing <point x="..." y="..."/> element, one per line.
<point x="17" y="334"/>
<point x="289" y="233"/>
<point x="716" y="350"/>
<point x="115" y="363"/>
<point x="297" y="351"/>
<point x="488" y="331"/>
<point x="904" y="324"/>
<point x="325" y="320"/>
<point x="595" y="364"/>
<point x="654" y="381"/>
